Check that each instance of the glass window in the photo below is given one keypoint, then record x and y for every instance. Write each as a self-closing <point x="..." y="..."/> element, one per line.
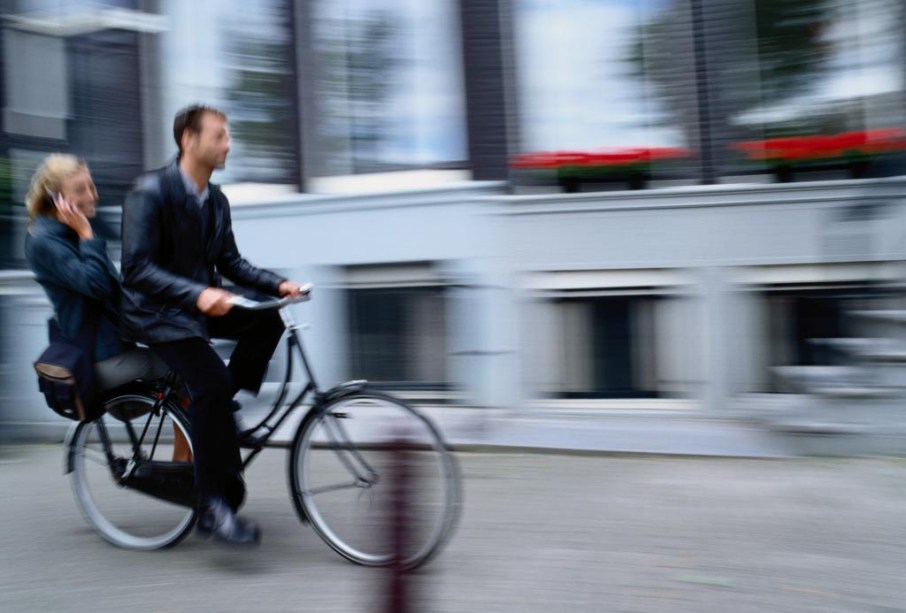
<point x="398" y="336"/>
<point x="608" y="348"/>
<point x="389" y="86"/>
<point x="235" y="55"/>
<point x="64" y="10"/>
<point x="610" y="78"/>
<point x="826" y="99"/>
<point x="73" y="84"/>
<point x="801" y="326"/>
<point x="35" y="104"/>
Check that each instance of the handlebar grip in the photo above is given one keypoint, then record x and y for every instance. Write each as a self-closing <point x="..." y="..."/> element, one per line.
<point x="253" y="305"/>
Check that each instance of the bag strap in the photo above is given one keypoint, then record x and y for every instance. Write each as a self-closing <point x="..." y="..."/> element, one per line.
<point x="85" y="339"/>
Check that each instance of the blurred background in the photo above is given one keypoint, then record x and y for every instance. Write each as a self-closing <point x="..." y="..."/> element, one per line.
<point x="687" y="206"/>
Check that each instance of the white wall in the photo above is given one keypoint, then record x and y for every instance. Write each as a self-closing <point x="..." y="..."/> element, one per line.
<point x="700" y="244"/>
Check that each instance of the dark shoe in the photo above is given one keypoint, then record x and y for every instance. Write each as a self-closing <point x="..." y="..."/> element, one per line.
<point x="235" y="492"/>
<point x="216" y="518"/>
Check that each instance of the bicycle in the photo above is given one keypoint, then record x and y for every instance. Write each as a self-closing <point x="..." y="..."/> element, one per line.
<point x="133" y="477"/>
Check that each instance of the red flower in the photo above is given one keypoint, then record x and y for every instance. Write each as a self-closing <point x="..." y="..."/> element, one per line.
<point x="821" y="147"/>
<point x="609" y="158"/>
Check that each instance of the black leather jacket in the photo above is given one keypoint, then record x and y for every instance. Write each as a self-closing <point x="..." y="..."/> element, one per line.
<point x="166" y="264"/>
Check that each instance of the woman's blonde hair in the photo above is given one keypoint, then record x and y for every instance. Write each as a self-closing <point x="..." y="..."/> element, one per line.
<point x="47" y="181"/>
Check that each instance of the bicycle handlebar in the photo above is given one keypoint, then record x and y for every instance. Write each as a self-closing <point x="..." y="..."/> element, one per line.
<point x="253" y="305"/>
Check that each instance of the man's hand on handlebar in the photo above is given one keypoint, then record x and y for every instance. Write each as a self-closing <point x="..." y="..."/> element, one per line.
<point x="217" y="302"/>
<point x="291" y="289"/>
<point x="214" y="302"/>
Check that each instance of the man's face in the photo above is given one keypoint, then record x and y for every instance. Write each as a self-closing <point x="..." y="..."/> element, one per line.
<point x="212" y="144"/>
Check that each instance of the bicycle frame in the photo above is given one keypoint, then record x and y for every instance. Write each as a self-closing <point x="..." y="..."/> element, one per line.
<point x="331" y="425"/>
<point x="279" y="412"/>
<point x="163" y="394"/>
<point x="248" y="439"/>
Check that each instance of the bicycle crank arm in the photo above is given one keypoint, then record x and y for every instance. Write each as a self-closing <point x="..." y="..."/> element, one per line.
<point x="173" y="482"/>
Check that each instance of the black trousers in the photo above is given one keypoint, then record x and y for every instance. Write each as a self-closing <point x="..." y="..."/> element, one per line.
<point x="212" y="386"/>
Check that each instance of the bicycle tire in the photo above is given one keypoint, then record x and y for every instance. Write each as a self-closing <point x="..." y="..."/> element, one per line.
<point x="331" y="453"/>
<point x="124" y="516"/>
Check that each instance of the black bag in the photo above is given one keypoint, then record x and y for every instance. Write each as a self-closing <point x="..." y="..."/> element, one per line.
<point x="66" y="375"/>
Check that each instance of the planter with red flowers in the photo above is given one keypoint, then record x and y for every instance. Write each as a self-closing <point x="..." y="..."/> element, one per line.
<point x="849" y="151"/>
<point x="570" y="169"/>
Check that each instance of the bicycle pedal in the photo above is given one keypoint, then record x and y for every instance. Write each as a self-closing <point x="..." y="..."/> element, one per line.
<point x="118" y="467"/>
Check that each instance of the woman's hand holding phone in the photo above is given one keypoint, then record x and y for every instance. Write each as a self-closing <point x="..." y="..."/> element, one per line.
<point x="70" y="215"/>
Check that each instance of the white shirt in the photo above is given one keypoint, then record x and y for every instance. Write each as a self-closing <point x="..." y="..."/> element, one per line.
<point x="200" y="196"/>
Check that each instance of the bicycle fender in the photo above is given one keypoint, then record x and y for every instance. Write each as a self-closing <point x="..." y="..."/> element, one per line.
<point x="345" y="389"/>
<point x="69" y="451"/>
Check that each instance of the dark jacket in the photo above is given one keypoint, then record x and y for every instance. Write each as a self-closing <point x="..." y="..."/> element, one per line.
<point x="80" y="281"/>
<point x="167" y="263"/>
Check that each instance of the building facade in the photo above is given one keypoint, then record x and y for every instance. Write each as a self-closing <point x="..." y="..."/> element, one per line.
<point x="375" y="153"/>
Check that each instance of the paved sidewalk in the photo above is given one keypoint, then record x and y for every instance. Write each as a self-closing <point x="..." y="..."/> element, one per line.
<point x="540" y="533"/>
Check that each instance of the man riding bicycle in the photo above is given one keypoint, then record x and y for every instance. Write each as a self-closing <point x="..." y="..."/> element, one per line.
<point x="177" y="243"/>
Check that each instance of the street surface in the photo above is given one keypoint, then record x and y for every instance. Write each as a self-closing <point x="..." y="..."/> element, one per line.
<point x="539" y="533"/>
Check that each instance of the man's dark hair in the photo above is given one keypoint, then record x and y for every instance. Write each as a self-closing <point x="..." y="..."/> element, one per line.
<point x="189" y="118"/>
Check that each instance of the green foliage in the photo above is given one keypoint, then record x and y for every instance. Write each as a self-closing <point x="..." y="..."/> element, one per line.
<point x="6" y="217"/>
<point x="790" y="49"/>
<point x="6" y="186"/>
<point x="788" y="42"/>
<point x="262" y="110"/>
<point x="357" y="60"/>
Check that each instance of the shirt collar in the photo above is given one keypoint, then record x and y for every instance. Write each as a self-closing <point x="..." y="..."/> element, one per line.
<point x="192" y="189"/>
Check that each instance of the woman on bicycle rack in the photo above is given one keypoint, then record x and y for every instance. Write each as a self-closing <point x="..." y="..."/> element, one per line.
<point x="72" y="266"/>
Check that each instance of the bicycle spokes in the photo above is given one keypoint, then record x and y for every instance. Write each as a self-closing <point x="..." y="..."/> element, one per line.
<point x="347" y="451"/>
<point x="346" y="475"/>
<point x="132" y="500"/>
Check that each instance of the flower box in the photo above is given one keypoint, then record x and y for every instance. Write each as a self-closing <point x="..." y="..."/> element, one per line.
<point x="570" y="169"/>
<point x="852" y="151"/>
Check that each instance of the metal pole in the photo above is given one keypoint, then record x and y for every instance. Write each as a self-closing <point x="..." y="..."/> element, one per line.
<point x="398" y="518"/>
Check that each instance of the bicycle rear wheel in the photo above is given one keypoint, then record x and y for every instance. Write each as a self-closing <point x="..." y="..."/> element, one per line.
<point x="126" y="516"/>
<point x="345" y="474"/>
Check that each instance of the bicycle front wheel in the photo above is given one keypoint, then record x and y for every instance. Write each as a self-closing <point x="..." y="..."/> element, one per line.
<point x="360" y="460"/>
<point x="124" y="515"/>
